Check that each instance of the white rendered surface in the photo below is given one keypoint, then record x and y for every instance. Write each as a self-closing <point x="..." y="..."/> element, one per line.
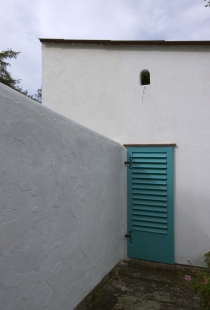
<point x="99" y="87"/>
<point x="63" y="206"/>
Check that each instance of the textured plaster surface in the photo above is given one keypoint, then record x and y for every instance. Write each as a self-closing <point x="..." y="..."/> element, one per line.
<point x="62" y="206"/>
<point x="174" y="108"/>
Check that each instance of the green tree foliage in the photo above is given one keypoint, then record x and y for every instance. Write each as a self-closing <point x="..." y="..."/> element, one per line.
<point x="207" y="4"/>
<point x="37" y="96"/>
<point x="5" y="76"/>
<point x="7" y="79"/>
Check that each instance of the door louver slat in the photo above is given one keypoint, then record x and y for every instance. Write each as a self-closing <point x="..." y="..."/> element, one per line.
<point x="146" y="170"/>
<point x="149" y="176"/>
<point x="149" y="160"/>
<point x="149" y="213"/>
<point x="136" y="180"/>
<point x="152" y="230"/>
<point x="149" y="208"/>
<point x="139" y="202"/>
<point x="148" y="165"/>
<point x="147" y="197"/>
<point x="149" y="224"/>
<point x="153" y="219"/>
<point x="149" y="192"/>
<point x="149" y="155"/>
<point x="149" y="187"/>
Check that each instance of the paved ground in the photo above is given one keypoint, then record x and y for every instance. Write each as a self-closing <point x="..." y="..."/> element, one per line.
<point x="137" y="285"/>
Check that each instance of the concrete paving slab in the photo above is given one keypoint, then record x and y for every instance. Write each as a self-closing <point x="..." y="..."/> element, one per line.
<point x="131" y="302"/>
<point x="139" y="285"/>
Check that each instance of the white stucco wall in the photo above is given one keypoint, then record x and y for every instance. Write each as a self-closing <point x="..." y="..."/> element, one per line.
<point x="62" y="206"/>
<point x="98" y="86"/>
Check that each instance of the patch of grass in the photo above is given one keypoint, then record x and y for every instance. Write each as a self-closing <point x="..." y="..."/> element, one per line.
<point x="95" y="296"/>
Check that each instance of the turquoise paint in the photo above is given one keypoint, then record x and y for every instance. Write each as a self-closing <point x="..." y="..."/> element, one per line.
<point x="150" y="204"/>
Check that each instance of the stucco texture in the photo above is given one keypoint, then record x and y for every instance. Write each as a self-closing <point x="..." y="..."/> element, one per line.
<point x="62" y="206"/>
<point x="99" y="87"/>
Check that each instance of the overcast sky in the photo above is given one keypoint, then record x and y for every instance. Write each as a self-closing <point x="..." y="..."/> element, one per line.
<point x="22" y="22"/>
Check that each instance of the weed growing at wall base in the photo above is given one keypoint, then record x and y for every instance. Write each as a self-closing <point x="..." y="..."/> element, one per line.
<point x="95" y="297"/>
<point x="201" y="283"/>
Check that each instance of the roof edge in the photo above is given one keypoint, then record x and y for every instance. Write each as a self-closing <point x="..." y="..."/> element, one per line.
<point x="119" y="42"/>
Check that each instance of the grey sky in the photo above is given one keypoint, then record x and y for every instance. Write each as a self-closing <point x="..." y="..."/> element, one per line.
<point x="22" y="22"/>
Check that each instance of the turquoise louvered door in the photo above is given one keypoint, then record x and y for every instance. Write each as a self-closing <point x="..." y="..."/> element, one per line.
<point x="150" y="204"/>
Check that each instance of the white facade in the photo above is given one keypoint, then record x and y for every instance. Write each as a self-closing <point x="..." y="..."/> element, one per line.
<point x="99" y="87"/>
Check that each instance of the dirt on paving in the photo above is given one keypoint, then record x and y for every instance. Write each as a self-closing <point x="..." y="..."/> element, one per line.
<point x="140" y="285"/>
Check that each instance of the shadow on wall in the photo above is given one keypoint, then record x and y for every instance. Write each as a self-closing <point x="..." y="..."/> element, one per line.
<point x="63" y="200"/>
<point x="192" y="225"/>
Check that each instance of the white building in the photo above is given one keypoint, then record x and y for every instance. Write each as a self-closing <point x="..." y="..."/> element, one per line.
<point x="99" y="85"/>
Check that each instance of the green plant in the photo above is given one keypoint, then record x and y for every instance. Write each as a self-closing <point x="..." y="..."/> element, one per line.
<point x="201" y="283"/>
<point x="95" y="297"/>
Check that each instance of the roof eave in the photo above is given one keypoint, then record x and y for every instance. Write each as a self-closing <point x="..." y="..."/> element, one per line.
<point x="133" y="42"/>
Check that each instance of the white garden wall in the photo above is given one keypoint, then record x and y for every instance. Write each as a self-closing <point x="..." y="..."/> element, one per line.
<point x="62" y="206"/>
<point x="99" y="87"/>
